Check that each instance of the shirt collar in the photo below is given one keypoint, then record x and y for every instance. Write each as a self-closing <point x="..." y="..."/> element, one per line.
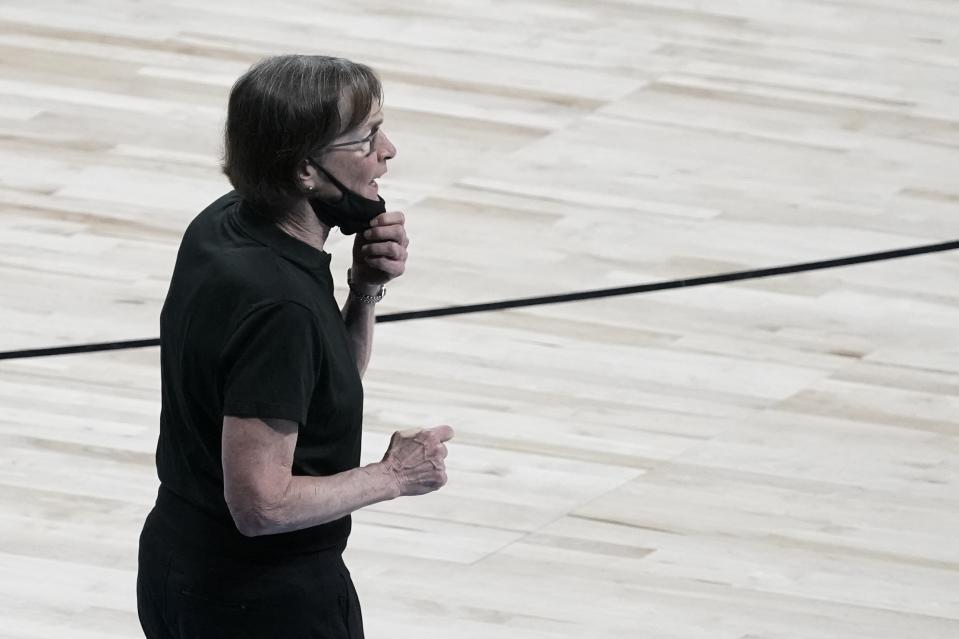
<point x="269" y="234"/>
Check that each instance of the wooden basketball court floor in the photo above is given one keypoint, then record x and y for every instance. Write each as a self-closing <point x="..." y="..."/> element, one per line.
<point x="768" y="459"/>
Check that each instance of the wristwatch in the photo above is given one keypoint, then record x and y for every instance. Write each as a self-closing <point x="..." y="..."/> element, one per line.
<point x="366" y="299"/>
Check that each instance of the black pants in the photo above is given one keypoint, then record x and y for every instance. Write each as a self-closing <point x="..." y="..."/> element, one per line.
<point x="192" y="597"/>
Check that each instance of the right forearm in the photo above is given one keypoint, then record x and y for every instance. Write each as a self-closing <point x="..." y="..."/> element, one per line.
<point x="264" y="498"/>
<point x="311" y="501"/>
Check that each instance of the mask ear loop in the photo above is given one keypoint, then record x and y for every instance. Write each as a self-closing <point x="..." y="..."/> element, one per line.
<point x="329" y="176"/>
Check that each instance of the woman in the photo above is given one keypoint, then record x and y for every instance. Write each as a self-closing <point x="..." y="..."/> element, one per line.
<point x="259" y="447"/>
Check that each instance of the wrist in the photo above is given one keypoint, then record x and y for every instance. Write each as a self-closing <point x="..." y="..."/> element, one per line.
<point x="389" y="478"/>
<point x="365" y="292"/>
<point x="366" y="289"/>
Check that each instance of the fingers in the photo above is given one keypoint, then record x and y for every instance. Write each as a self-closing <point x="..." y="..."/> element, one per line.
<point x="417" y="459"/>
<point x="444" y="432"/>
<point x="390" y="217"/>
<point x="387" y="257"/>
<point x="432" y="440"/>
<point x="392" y="268"/>
<point x="438" y="433"/>
<point x="393" y="233"/>
<point x="384" y="247"/>
<point x="390" y="250"/>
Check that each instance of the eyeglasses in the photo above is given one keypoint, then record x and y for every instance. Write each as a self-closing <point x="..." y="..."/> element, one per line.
<point x="367" y="144"/>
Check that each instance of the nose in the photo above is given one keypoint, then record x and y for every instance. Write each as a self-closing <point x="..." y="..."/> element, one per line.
<point x="385" y="146"/>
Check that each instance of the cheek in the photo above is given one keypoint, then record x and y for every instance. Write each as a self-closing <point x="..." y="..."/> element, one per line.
<point x="360" y="172"/>
<point x="353" y="172"/>
<point x="367" y="171"/>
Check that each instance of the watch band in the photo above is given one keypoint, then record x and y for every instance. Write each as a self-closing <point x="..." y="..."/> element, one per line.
<point x="361" y="297"/>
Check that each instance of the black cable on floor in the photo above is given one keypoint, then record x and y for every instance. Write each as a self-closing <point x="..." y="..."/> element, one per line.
<point x="551" y="299"/>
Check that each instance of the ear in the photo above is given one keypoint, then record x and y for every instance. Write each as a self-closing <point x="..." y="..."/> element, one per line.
<point x="307" y="177"/>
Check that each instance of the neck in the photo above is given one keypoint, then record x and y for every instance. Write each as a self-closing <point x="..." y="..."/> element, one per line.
<point x="303" y="225"/>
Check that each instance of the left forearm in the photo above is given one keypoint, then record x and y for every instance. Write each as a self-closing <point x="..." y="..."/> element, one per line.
<point x="379" y="256"/>
<point x="360" y="318"/>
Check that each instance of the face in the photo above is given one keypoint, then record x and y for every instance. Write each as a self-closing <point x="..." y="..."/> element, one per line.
<point x="358" y="158"/>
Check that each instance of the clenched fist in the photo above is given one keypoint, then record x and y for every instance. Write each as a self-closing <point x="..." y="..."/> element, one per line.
<point x="416" y="459"/>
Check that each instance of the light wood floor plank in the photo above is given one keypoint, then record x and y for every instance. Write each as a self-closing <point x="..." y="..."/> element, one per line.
<point x="767" y="459"/>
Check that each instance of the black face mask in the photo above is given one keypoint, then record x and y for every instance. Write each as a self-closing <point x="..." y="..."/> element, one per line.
<point x="352" y="212"/>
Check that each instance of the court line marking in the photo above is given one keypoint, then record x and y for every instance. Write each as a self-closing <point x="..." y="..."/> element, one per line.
<point x="550" y="299"/>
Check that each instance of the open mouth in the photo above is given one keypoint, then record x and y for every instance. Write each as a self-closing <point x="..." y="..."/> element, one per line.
<point x="373" y="185"/>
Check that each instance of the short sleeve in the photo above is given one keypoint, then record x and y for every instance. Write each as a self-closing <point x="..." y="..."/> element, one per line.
<point x="270" y="363"/>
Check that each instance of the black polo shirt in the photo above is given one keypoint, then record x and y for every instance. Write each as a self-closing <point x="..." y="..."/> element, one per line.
<point x="250" y="328"/>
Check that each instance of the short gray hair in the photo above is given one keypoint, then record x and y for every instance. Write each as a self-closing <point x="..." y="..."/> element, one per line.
<point x="284" y="109"/>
